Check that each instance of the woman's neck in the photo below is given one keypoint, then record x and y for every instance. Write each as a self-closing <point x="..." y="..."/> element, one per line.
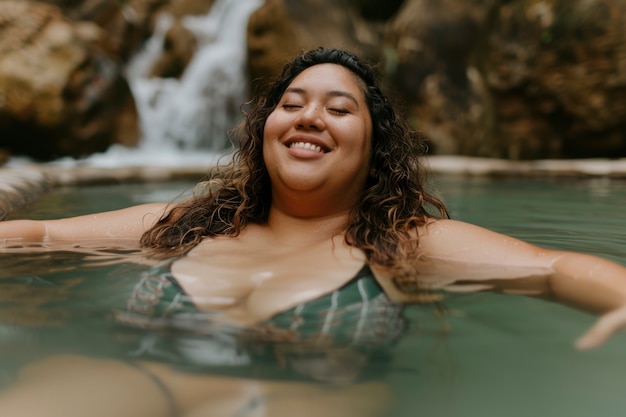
<point x="310" y="229"/>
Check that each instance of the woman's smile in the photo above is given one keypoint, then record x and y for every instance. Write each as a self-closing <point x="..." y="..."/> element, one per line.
<point x="306" y="146"/>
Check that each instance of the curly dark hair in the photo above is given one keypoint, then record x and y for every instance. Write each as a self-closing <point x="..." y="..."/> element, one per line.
<point x="393" y="203"/>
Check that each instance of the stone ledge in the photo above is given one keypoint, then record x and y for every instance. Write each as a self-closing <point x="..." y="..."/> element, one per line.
<point x="20" y="186"/>
<point x="611" y="168"/>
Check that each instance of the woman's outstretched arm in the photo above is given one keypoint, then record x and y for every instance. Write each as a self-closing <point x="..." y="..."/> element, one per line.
<point x="481" y="256"/>
<point x="128" y="223"/>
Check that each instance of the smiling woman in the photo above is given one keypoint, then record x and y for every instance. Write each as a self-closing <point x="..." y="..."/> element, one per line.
<point x="311" y="238"/>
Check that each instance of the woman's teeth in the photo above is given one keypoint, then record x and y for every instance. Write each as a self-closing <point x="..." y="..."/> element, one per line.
<point x="305" y="145"/>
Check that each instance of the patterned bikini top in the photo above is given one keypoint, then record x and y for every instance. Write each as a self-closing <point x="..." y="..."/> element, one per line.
<point x="358" y="314"/>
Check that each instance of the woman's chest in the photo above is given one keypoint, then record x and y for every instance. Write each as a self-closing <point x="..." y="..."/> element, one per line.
<point x="263" y="278"/>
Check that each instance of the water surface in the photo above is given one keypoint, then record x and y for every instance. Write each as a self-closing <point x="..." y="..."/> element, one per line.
<point x="488" y="355"/>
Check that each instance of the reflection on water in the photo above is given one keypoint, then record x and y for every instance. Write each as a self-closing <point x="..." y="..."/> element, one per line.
<point x="580" y="215"/>
<point x="481" y="354"/>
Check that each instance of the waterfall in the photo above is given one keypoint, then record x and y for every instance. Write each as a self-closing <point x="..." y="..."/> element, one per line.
<point x="190" y="117"/>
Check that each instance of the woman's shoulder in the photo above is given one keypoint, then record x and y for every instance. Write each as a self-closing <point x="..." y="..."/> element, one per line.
<point x="458" y="241"/>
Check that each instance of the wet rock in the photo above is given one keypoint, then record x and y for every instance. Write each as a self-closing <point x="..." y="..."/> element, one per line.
<point x="127" y="23"/>
<point x="179" y="47"/>
<point x="432" y="61"/>
<point x="180" y="44"/>
<point x="558" y="72"/>
<point x="60" y="93"/>
<point x="281" y="28"/>
<point x="130" y="23"/>
<point x="518" y="79"/>
<point x="21" y="186"/>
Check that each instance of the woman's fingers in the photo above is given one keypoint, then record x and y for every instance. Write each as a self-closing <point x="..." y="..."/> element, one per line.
<point x="603" y="329"/>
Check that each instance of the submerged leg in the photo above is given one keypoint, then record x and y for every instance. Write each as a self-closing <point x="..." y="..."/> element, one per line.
<point x="76" y="386"/>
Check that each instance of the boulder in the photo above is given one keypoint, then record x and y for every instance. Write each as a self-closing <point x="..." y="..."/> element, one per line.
<point x="180" y="44"/>
<point x="279" y="29"/>
<point x="518" y="79"/>
<point x="558" y="73"/>
<point x="127" y="23"/>
<point x="432" y="61"/>
<point x="60" y="93"/>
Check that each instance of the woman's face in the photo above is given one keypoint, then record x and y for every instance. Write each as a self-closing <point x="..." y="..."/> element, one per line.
<point x="319" y="135"/>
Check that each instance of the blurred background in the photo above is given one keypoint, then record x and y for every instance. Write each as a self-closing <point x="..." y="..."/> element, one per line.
<point x="513" y="79"/>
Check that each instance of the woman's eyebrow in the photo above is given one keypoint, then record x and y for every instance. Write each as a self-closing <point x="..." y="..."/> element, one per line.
<point x="332" y="93"/>
<point x="338" y="93"/>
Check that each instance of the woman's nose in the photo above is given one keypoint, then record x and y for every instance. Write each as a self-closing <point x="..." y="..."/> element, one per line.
<point x="310" y="117"/>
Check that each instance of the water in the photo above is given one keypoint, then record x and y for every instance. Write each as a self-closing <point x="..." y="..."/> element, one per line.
<point x="489" y="355"/>
<point x="564" y="214"/>
<point x="511" y="355"/>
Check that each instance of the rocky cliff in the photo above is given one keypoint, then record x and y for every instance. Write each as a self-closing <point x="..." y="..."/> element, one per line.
<point x="519" y="79"/>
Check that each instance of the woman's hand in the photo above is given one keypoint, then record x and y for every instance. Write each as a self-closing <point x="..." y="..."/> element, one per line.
<point x="607" y="325"/>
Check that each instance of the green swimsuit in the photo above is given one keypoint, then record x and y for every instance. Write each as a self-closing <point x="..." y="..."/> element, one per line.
<point x="323" y="339"/>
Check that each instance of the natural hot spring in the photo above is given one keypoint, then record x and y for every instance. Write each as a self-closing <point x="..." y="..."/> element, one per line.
<point x="489" y="355"/>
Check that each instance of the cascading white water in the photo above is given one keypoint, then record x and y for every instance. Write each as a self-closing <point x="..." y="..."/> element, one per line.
<point x="190" y="117"/>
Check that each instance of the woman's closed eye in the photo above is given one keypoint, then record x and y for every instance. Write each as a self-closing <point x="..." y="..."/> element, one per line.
<point x="338" y="110"/>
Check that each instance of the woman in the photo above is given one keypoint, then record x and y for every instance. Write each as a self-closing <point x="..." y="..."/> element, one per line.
<point x="326" y="194"/>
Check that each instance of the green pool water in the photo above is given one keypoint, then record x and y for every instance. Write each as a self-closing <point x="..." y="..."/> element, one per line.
<point x="489" y="355"/>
